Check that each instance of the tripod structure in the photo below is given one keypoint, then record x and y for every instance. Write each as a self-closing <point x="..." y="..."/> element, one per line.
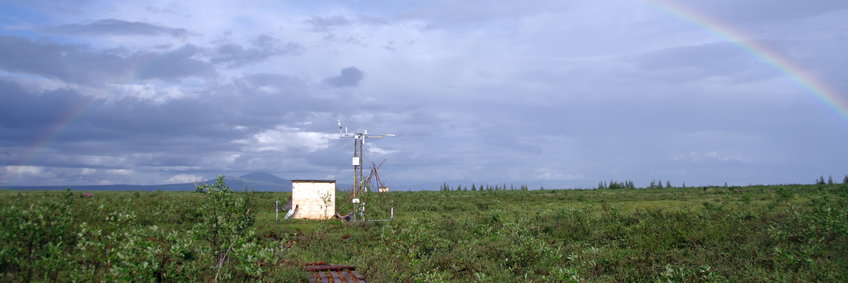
<point x="376" y="176"/>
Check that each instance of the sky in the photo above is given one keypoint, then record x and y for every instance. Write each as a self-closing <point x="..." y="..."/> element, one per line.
<point x="560" y="94"/>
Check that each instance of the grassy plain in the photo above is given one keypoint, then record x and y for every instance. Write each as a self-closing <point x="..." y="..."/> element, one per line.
<point x="754" y="233"/>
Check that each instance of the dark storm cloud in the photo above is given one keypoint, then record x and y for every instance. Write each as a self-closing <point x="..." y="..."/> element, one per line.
<point x="764" y="10"/>
<point x="21" y="111"/>
<point x="175" y="64"/>
<point x="457" y="12"/>
<point x="82" y="64"/>
<point x="724" y="55"/>
<point x="136" y="133"/>
<point x="72" y="63"/>
<point x="720" y="59"/>
<point x="118" y="27"/>
<point x="348" y="77"/>
<point x="318" y="23"/>
<point x="260" y="101"/>
<point x="260" y="48"/>
<point x="27" y="115"/>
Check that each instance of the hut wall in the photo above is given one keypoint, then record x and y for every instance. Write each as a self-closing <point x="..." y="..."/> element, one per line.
<point x="314" y="199"/>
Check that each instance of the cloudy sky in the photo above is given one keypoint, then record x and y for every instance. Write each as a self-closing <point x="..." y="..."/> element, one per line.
<point x="553" y="93"/>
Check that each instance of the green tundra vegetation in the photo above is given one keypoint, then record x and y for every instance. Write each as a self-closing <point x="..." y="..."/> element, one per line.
<point x="751" y="233"/>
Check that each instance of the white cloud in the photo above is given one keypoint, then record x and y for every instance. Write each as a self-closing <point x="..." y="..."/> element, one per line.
<point x="378" y="150"/>
<point x="20" y="170"/>
<point x="284" y="138"/>
<point x="122" y="172"/>
<point x="185" y="178"/>
<point x="556" y="175"/>
<point x="158" y="94"/>
<point x="708" y="156"/>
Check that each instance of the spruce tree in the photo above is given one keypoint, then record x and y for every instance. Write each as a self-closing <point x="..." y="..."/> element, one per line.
<point x="830" y="180"/>
<point x="668" y="184"/>
<point x="473" y="187"/>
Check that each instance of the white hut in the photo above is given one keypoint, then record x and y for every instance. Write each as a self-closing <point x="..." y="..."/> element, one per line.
<point x="314" y="199"/>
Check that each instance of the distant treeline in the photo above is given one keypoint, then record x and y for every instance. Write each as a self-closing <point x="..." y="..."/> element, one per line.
<point x="484" y="187"/>
<point x="612" y="184"/>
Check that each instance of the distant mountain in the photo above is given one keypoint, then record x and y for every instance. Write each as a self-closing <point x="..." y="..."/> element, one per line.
<point x="262" y="178"/>
<point x="252" y="181"/>
<point x="258" y="182"/>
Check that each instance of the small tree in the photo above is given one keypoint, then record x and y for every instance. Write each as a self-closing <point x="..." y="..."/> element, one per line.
<point x="226" y="223"/>
<point x="830" y="180"/>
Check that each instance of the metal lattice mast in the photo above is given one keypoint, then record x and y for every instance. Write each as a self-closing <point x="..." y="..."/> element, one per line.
<point x="358" y="154"/>
<point x="358" y="142"/>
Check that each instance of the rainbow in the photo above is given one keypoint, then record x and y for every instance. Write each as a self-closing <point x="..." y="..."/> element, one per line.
<point x="69" y="116"/>
<point x="796" y="73"/>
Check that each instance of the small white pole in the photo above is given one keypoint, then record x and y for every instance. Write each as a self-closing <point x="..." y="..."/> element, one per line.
<point x="391" y="213"/>
<point x="276" y="210"/>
